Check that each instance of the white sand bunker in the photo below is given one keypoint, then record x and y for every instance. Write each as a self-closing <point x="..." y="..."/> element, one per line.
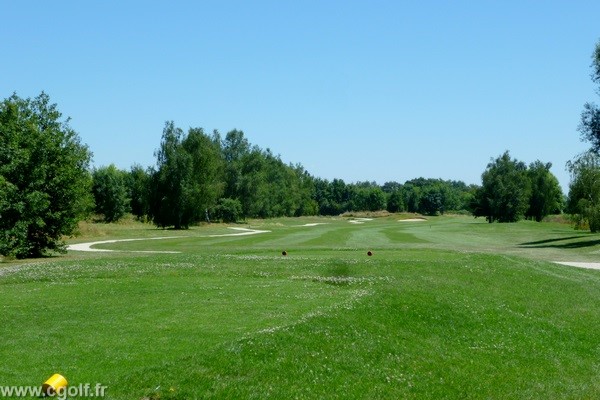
<point x="88" y="246"/>
<point x="360" y="220"/>
<point x="314" y="224"/>
<point x="591" y="265"/>
<point x="412" y="220"/>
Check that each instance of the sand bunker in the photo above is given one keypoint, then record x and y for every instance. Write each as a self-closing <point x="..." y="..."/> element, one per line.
<point x="314" y="224"/>
<point x="412" y="220"/>
<point x="360" y="220"/>
<point x="591" y="265"/>
<point x="88" y="246"/>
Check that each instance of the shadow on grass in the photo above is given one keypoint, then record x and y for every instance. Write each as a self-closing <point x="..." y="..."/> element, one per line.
<point x="571" y="245"/>
<point x="337" y="275"/>
<point x="339" y="270"/>
<point x="550" y="240"/>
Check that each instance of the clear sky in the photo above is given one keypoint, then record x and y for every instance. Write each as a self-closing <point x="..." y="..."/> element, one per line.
<point x="358" y="90"/>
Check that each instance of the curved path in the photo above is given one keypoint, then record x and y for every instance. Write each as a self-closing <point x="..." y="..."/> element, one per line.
<point x="88" y="245"/>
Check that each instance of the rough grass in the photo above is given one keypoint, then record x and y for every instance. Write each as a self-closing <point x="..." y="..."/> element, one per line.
<point x="448" y="308"/>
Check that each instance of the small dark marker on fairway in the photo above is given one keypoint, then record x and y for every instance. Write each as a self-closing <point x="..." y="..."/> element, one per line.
<point x="369" y="253"/>
<point x="284" y="253"/>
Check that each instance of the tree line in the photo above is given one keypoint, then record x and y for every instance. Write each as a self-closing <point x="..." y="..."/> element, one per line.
<point x="47" y="186"/>
<point x="207" y="177"/>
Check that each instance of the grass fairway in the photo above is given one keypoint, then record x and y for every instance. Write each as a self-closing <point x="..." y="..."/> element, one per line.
<point x="447" y="308"/>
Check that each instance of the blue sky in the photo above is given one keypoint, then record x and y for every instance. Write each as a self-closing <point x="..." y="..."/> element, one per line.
<point x="369" y="90"/>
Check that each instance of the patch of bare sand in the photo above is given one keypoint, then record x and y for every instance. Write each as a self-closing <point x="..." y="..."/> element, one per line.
<point x="591" y="265"/>
<point x="314" y="224"/>
<point x="360" y="220"/>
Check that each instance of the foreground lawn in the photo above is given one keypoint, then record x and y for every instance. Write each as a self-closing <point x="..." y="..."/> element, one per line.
<point x="432" y="314"/>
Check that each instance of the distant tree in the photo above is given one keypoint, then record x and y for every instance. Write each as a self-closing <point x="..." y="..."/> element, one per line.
<point x="376" y="200"/>
<point x="187" y="180"/>
<point x="324" y="198"/>
<point x="283" y="187"/>
<point x="234" y="147"/>
<point x="367" y="185"/>
<point x="546" y="194"/>
<point x="308" y="203"/>
<point x="431" y="200"/>
<point x="453" y="193"/>
<point x="391" y="187"/>
<point x="359" y="200"/>
<point x="205" y="183"/>
<point x="504" y="194"/>
<point x="584" y="191"/>
<point x="368" y="198"/>
<point x="138" y="186"/>
<point x="110" y="193"/>
<point x="169" y="204"/>
<point x="395" y="201"/>
<point x="467" y="198"/>
<point x="253" y="187"/>
<point x="44" y="179"/>
<point x="228" y="210"/>
<point x="434" y="196"/>
<point x="589" y="126"/>
<point x="412" y="197"/>
<point x="341" y="194"/>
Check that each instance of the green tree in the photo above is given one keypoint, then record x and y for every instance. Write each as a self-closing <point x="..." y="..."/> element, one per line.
<point x="341" y="194"/>
<point x="395" y="201"/>
<point x="589" y="126"/>
<point x="390" y="187"/>
<point x="505" y="191"/>
<point x="253" y="186"/>
<point x="359" y="197"/>
<point x="234" y="147"/>
<point x="187" y="181"/>
<point x="377" y="200"/>
<point x="283" y="189"/>
<point x="169" y="181"/>
<point x="584" y="191"/>
<point x="546" y="194"/>
<point x="432" y="200"/>
<point x="264" y="185"/>
<point x="394" y="196"/>
<point x="323" y="197"/>
<point x="307" y="187"/>
<point x="138" y="185"/>
<point x="205" y="184"/>
<point x="44" y="179"/>
<point x="412" y="197"/>
<point x="110" y="193"/>
<point x="368" y="198"/>
<point x="453" y="193"/>
<point x="228" y="210"/>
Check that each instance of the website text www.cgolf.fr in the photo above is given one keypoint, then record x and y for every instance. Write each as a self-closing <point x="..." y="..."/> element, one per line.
<point x="82" y="390"/>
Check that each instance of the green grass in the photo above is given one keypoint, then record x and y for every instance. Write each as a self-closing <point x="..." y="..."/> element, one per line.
<point x="448" y="308"/>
